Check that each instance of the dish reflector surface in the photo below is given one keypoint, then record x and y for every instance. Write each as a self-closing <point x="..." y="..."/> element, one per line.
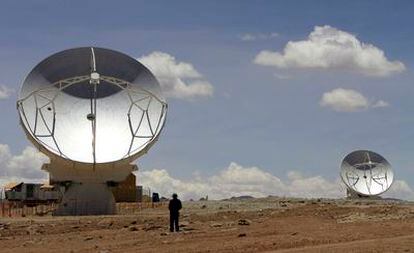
<point x="366" y="172"/>
<point x="92" y="105"/>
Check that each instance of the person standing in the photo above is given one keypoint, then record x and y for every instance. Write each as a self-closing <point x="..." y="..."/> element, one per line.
<point x="174" y="207"/>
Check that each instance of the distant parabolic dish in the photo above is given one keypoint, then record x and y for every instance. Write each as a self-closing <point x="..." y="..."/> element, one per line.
<point x="366" y="173"/>
<point x="92" y="105"/>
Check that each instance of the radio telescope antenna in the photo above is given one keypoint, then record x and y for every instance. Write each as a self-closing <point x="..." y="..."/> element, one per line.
<point x="58" y="106"/>
<point x="366" y="173"/>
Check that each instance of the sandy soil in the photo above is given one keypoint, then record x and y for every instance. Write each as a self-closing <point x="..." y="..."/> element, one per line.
<point x="255" y="225"/>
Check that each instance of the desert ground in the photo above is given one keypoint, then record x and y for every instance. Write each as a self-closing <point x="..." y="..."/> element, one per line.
<point x="239" y="225"/>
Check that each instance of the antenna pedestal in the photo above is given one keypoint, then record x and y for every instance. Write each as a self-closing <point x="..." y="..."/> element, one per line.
<point x="87" y="199"/>
<point x="351" y="194"/>
<point x="86" y="187"/>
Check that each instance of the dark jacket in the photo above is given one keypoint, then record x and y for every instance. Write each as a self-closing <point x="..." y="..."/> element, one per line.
<point x="174" y="206"/>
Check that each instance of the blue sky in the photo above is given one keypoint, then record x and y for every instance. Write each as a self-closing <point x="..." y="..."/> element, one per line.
<point x="269" y="117"/>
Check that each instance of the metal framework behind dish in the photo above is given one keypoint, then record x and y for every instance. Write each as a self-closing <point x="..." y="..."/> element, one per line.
<point x="63" y="84"/>
<point x="371" y="172"/>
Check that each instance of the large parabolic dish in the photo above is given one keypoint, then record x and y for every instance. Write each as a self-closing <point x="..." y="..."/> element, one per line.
<point x="92" y="111"/>
<point x="92" y="105"/>
<point x="366" y="173"/>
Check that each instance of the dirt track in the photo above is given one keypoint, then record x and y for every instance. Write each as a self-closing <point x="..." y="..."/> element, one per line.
<point x="260" y="225"/>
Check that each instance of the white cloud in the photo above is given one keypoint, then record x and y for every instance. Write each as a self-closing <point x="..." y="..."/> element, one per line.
<point x="5" y="92"/>
<point x="282" y="76"/>
<point x="400" y="190"/>
<point x="237" y="180"/>
<point x="177" y="79"/>
<point x="294" y="175"/>
<point x="23" y="167"/>
<point x="247" y="37"/>
<point x="258" y="36"/>
<point x="331" y="48"/>
<point x="380" y="103"/>
<point x="347" y="100"/>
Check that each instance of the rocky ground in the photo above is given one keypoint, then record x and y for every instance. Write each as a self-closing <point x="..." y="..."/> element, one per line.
<point x="251" y="225"/>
